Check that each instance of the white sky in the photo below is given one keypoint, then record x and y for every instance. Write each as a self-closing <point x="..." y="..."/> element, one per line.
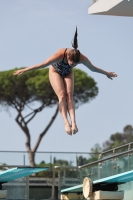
<point x="32" y="30"/>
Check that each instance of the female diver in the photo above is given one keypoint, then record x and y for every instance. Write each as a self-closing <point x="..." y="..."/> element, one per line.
<point x="62" y="79"/>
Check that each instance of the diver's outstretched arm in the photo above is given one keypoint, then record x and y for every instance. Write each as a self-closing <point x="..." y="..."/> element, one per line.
<point x="85" y="61"/>
<point x="52" y="59"/>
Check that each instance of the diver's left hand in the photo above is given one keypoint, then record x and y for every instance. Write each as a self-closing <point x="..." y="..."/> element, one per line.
<point x="110" y="75"/>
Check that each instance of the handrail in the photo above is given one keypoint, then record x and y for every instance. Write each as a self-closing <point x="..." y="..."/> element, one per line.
<point x="48" y="152"/>
<point x="65" y="167"/>
<point x="120" y="147"/>
<point x="104" y="159"/>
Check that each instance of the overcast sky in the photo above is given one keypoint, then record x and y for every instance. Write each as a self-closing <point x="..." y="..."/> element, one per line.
<point x="32" y="30"/>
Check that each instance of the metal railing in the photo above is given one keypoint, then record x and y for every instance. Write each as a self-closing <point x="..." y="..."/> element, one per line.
<point x="105" y="159"/>
<point x="47" y="158"/>
<point x="114" y="150"/>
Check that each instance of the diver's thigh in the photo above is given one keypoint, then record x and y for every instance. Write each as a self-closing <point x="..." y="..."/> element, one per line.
<point x="56" y="81"/>
<point x="69" y="83"/>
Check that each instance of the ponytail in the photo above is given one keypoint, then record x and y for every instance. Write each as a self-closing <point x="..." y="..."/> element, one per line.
<point x="74" y="54"/>
<point x="75" y="41"/>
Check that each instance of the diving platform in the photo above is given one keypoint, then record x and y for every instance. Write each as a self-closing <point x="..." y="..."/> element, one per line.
<point x="16" y="173"/>
<point x="112" y="7"/>
<point x="19" y="172"/>
<point x="105" y="188"/>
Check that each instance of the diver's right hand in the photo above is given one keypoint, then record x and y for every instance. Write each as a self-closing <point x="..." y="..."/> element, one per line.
<point x="19" y="72"/>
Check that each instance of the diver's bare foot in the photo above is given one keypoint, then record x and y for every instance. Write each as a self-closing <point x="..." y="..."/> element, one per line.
<point x="68" y="129"/>
<point x="74" y="128"/>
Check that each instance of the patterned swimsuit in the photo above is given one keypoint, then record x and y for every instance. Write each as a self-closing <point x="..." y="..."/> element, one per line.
<point x="62" y="68"/>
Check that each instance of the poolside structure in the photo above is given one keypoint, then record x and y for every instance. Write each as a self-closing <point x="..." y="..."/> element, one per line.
<point x="110" y="177"/>
<point x="105" y="188"/>
<point x="16" y="173"/>
<point x="112" y="7"/>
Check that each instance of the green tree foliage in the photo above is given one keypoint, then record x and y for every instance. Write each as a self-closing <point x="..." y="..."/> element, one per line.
<point x="95" y="152"/>
<point x="119" y="139"/>
<point x="93" y="156"/>
<point x="128" y="129"/>
<point x="81" y="161"/>
<point x="20" y="92"/>
<point x="61" y="162"/>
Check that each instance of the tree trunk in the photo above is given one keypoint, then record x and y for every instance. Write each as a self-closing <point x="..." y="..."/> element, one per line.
<point x="31" y="156"/>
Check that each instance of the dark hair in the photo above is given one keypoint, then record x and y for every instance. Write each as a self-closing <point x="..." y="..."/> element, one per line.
<point x="74" y="54"/>
<point x="75" y="40"/>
